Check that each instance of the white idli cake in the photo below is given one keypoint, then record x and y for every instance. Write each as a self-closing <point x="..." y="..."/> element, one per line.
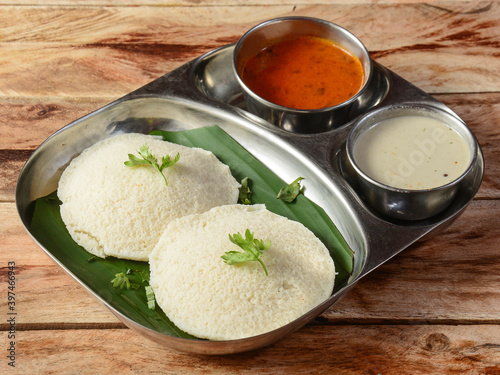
<point x="210" y="299"/>
<point x="111" y="209"/>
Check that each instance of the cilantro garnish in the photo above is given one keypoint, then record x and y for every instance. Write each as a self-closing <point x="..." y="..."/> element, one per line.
<point x="288" y="193"/>
<point x="123" y="280"/>
<point x="253" y="249"/>
<point x="149" y="158"/>
<point x="150" y="295"/>
<point x="245" y="193"/>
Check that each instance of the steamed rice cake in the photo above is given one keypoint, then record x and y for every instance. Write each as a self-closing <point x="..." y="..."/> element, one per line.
<point x="114" y="210"/>
<point x="210" y="299"/>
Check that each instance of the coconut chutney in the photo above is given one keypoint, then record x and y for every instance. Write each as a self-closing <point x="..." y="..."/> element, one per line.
<point x="412" y="152"/>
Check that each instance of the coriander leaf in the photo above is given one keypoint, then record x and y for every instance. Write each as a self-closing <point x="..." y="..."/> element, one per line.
<point x="233" y="257"/>
<point x="146" y="154"/>
<point x="245" y="193"/>
<point x="134" y="160"/>
<point x="150" y="295"/>
<point x="288" y="193"/>
<point x="144" y="275"/>
<point x="167" y="162"/>
<point x="149" y="158"/>
<point x="121" y="280"/>
<point x="135" y="286"/>
<point x="253" y="249"/>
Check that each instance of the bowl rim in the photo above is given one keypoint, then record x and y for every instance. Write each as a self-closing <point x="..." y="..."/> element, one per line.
<point x="418" y="109"/>
<point x="367" y="72"/>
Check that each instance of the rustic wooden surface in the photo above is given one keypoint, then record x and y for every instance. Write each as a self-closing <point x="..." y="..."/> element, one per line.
<point x="434" y="309"/>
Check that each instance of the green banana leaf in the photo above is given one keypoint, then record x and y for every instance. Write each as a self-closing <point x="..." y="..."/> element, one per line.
<point x="97" y="274"/>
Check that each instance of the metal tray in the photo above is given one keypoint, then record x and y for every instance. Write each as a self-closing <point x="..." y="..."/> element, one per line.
<point x="205" y="92"/>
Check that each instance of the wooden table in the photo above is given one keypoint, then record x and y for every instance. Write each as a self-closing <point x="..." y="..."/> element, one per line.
<point x="433" y="309"/>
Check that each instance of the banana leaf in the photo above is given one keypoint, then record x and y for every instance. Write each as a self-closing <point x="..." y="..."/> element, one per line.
<point x="97" y="274"/>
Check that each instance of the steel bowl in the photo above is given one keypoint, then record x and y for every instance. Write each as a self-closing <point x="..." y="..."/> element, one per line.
<point x="291" y="119"/>
<point x="406" y="204"/>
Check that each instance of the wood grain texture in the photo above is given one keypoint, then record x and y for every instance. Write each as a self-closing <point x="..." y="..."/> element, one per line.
<point x="205" y="3"/>
<point x="433" y="309"/>
<point x="114" y="50"/>
<point x="26" y="123"/>
<point x="388" y="350"/>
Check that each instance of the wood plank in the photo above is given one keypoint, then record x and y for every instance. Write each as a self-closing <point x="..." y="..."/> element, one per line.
<point x="482" y="115"/>
<point x="428" y="40"/>
<point x="25" y="123"/>
<point x="59" y="53"/>
<point x="387" y="350"/>
<point x="44" y="292"/>
<point x="205" y="3"/>
<point x="420" y="285"/>
<point x="38" y="290"/>
<point x="179" y="3"/>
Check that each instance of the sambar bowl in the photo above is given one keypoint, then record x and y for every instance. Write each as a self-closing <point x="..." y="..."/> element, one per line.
<point x="420" y="158"/>
<point x="267" y="34"/>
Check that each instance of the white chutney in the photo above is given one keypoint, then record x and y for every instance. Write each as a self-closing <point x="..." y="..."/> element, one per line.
<point x="412" y="153"/>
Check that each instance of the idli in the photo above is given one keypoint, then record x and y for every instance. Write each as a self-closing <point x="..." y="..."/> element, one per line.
<point x="111" y="209"/>
<point x="210" y="299"/>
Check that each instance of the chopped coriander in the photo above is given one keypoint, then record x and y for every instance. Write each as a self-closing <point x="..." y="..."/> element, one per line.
<point x="121" y="280"/>
<point x="245" y="193"/>
<point x="253" y="249"/>
<point x="288" y="193"/>
<point x="130" y="280"/>
<point x="144" y="275"/>
<point x="150" y="296"/>
<point x="149" y="158"/>
<point x="135" y="286"/>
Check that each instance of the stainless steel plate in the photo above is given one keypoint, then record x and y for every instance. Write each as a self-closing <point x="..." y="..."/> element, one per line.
<point x="205" y="92"/>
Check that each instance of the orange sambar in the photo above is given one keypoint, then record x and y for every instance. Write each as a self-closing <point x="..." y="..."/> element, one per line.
<point x="306" y="72"/>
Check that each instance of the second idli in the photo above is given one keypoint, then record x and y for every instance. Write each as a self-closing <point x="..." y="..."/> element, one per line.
<point x="210" y="299"/>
